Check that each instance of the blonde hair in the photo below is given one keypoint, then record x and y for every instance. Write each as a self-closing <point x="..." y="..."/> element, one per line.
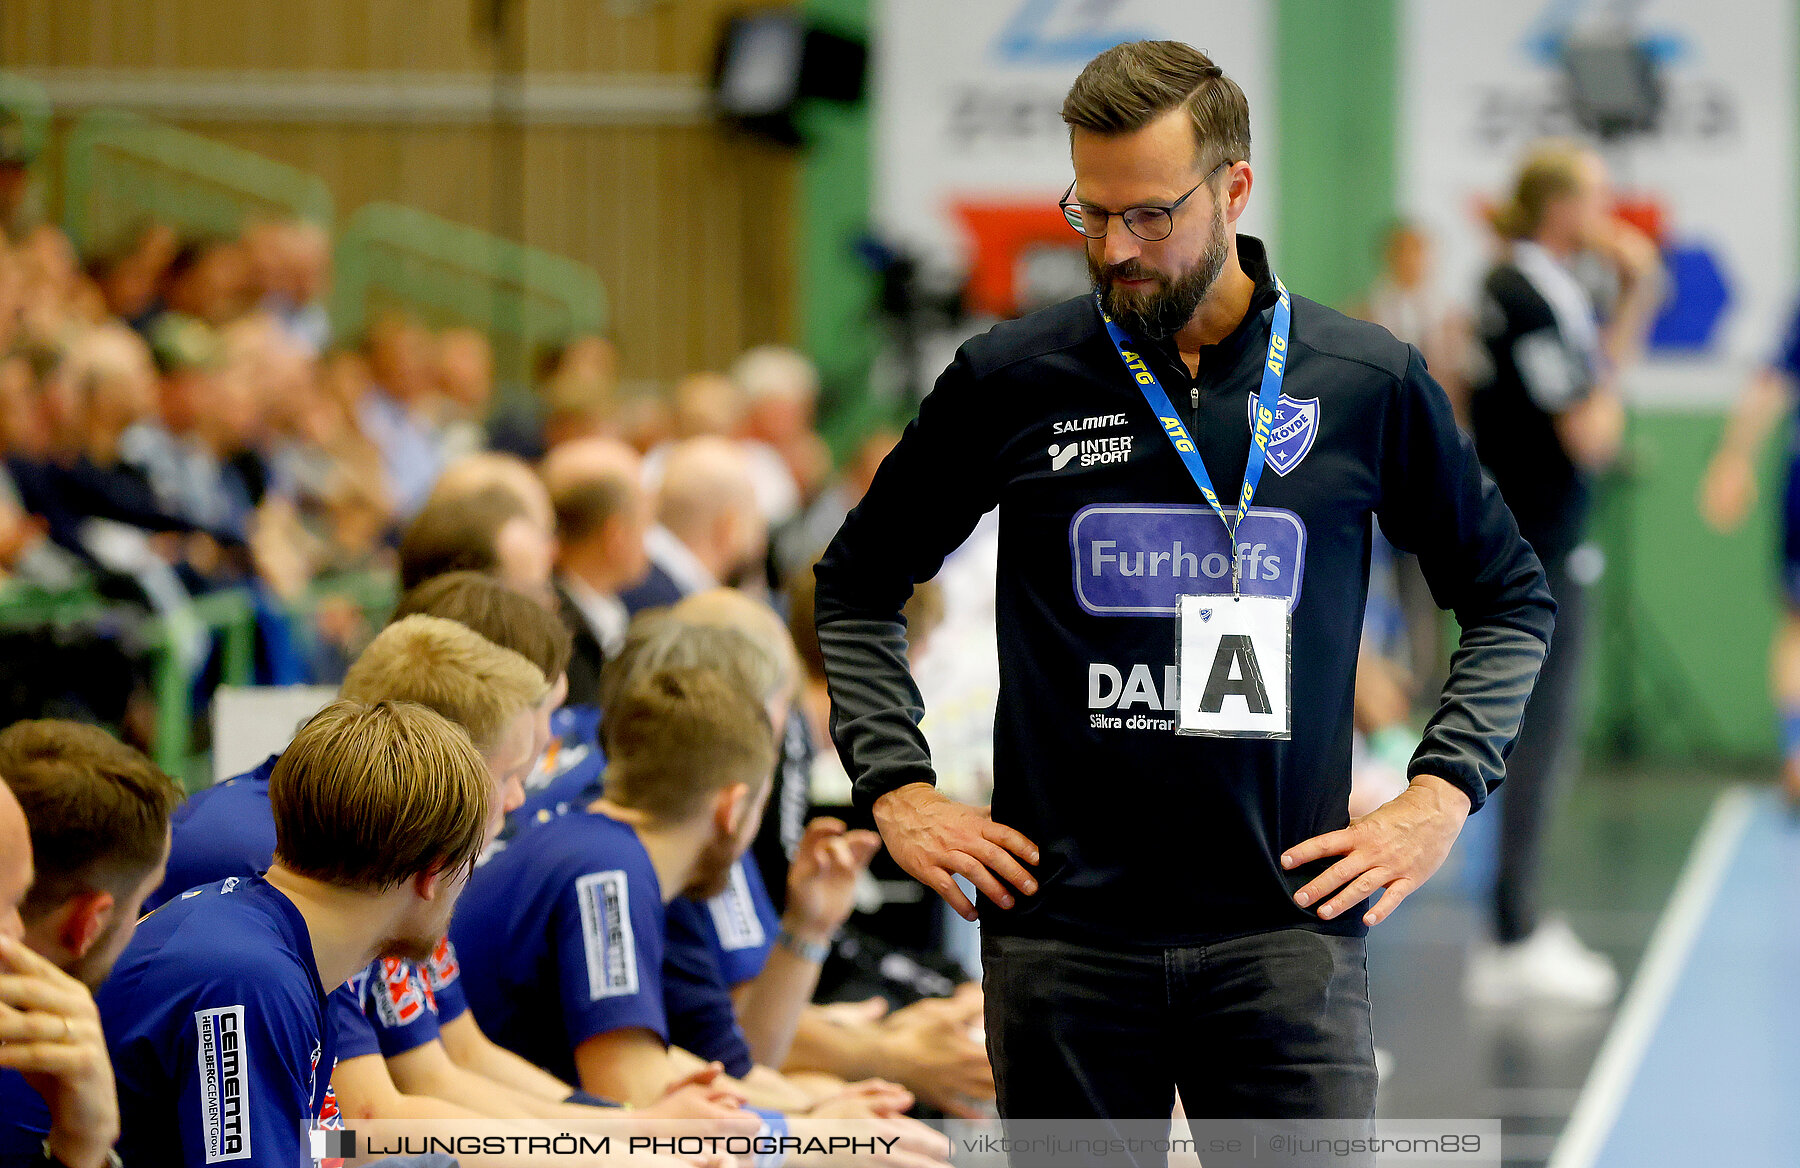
<point x="450" y="669"/>
<point x="677" y="737"/>
<point x="1551" y="171"/>
<point x="728" y="608"/>
<point x="368" y="796"/>
<point x="660" y="639"/>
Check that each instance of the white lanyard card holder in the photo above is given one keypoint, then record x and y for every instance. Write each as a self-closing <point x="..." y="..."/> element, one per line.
<point x="1234" y="666"/>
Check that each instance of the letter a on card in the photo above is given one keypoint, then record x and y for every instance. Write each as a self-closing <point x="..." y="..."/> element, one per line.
<point x="1233" y="662"/>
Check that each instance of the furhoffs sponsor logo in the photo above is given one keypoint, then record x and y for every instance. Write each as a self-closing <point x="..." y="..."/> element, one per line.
<point x="1134" y="559"/>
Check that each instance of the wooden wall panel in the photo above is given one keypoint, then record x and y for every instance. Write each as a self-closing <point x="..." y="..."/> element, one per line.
<point x="561" y="36"/>
<point x="690" y="231"/>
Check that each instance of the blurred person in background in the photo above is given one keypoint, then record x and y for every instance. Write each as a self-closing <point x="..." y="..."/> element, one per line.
<point x="17" y="202"/>
<point x="464" y="366"/>
<point x="780" y="388"/>
<point x="1727" y="493"/>
<point x="396" y="410"/>
<point x="715" y="405"/>
<point x="710" y="530"/>
<point x="1548" y="415"/>
<point x="486" y="530"/>
<point x="577" y="390"/>
<point x="98" y="813"/>
<point x="1406" y="300"/>
<point x="799" y="542"/>
<point x="489" y="468"/>
<point x="209" y="279"/>
<point x="602" y="518"/>
<point x="291" y="260"/>
<point x="130" y="274"/>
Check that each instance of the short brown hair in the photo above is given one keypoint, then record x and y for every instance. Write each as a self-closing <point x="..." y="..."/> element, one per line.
<point x="676" y="737"/>
<point x="368" y="796"/>
<point x="584" y="508"/>
<point x="661" y="640"/>
<point x="457" y="533"/>
<point x="509" y="619"/>
<point x="98" y="810"/>
<point x="451" y="669"/>
<point x="1129" y="86"/>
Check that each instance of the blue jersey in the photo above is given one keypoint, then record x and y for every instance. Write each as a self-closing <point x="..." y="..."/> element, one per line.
<point x="24" y="1121"/>
<point x="225" y="830"/>
<point x="569" y="772"/>
<point x="220" y="1036"/>
<point x="740" y="924"/>
<point x="561" y="939"/>
<point x="702" y="1017"/>
<point x="229" y="830"/>
<point x="386" y="1008"/>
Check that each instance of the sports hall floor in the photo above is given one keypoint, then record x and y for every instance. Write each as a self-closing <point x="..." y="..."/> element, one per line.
<point x="1691" y="882"/>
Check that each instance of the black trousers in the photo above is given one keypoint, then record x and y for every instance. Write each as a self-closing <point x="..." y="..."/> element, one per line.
<point x="1541" y="761"/>
<point x="1270" y="1026"/>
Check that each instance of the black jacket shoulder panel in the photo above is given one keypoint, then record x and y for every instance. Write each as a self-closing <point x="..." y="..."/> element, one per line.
<point x="1330" y="333"/>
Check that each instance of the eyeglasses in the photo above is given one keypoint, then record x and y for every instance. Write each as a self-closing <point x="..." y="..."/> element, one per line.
<point x="1149" y="223"/>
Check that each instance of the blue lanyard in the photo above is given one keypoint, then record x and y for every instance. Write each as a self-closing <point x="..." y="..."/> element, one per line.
<point x="1273" y="368"/>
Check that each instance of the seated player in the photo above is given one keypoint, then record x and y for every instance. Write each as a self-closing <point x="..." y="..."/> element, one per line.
<point x="216" y="1015"/>
<point x="564" y="939"/>
<point x="98" y="813"/>
<point x="770" y="963"/>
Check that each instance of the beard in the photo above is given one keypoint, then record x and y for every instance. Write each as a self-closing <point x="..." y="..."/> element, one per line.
<point x="1159" y="313"/>
<point x="416" y="949"/>
<point x="712" y="871"/>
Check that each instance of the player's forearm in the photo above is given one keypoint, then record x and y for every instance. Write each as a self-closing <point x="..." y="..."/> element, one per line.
<point x="1593" y="432"/>
<point x="1763" y="404"/>
<point x="771" y="1006"/>
<point x="475" y="1052"/>
<point x="849" y="1052"/>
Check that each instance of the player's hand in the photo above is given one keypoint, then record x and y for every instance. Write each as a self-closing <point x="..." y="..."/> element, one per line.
<point x="1630" y="250"/>
<point x="699" y="1095"/>
<point x="1727" y="492"/>
<point x="1396" y="847"/>
<point x="937" y="839"/>
<point x="865" y="1098"/>
<point x="50" y="1033"/>
<point x="822" y="879"/>
<point x="931" y="1046"/>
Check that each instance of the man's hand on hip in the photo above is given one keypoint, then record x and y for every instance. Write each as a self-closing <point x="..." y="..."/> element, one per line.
<point x="937" y="839"/>
<point x="1396" y="847"/>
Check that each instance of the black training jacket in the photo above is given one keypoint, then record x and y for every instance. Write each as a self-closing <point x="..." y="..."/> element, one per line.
<point x="1149" y="837"/>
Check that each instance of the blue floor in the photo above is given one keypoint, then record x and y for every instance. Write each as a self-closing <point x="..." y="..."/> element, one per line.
<point x="1703" y="1066"/>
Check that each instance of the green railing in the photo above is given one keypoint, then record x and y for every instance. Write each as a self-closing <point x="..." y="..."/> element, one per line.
<point x="394" y="257"/>
<point x="227" y="615"/>
<point x="121" y="170"/>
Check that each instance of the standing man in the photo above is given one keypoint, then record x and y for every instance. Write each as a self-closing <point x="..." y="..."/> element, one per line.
<point x="1548" y="415"/>
<point x="1163" y="909"/>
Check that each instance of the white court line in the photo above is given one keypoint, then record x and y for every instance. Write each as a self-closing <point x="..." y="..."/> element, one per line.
<point x="1648" y="1000"/>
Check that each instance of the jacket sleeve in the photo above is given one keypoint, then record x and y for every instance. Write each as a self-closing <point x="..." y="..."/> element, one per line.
<point x="923" y="503"/>
<point x="1437" y="503"/>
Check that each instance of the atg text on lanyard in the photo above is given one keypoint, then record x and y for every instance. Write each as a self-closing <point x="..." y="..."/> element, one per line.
<point x="1233" y="658"/>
